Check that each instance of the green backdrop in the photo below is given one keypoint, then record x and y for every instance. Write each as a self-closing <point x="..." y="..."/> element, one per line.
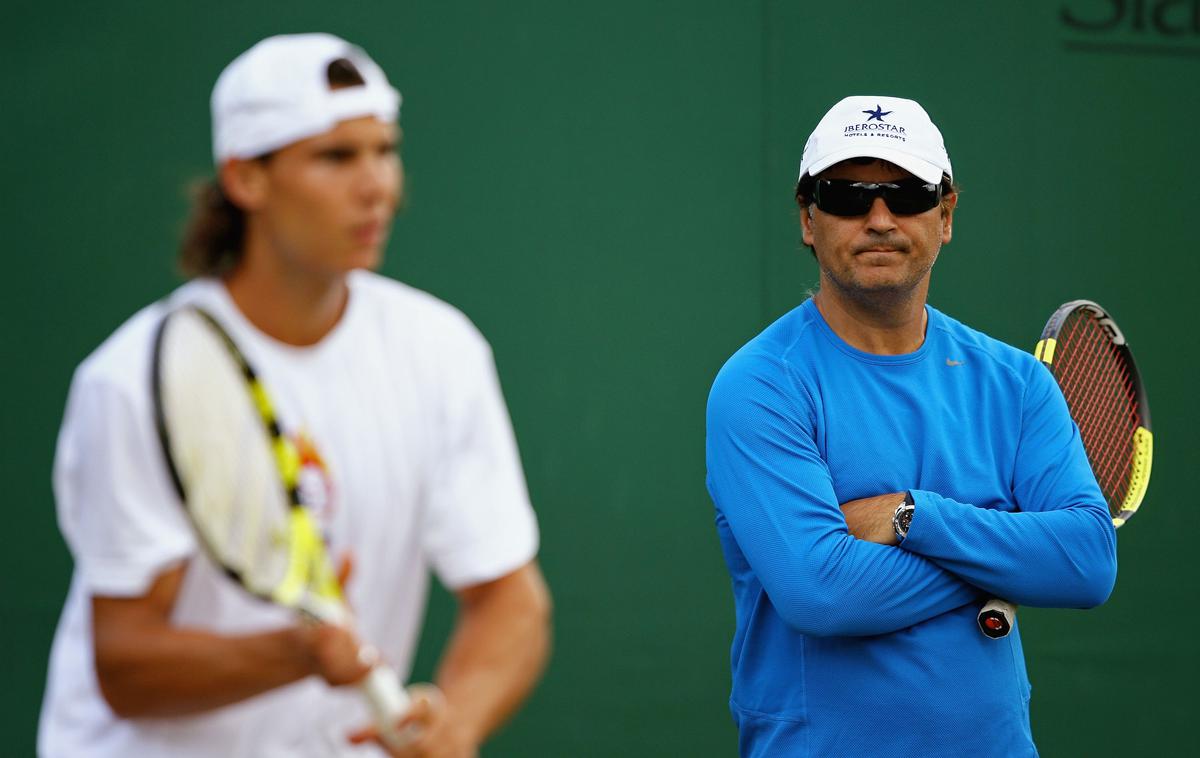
<point x="604" y="187"/>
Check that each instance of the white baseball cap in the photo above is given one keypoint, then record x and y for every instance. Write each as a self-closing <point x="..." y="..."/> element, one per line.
<point x="277" y="93"/>
<point x="890" y="128"/>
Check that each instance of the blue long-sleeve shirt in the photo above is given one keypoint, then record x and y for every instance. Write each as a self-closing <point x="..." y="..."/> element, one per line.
<point x="845" y="647"/>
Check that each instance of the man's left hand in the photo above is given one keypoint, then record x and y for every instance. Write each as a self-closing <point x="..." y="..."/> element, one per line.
<point x="429" y="719"/>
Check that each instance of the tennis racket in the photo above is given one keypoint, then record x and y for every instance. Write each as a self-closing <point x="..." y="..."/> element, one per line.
<point x="1087" y="353"/>
<point x="237" y="476"/>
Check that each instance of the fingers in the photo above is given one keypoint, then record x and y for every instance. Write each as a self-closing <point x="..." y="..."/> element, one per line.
<point x="340" y="659"/>
<point x="425" y="728"/>
<point x="345" y="568"/>
<point x="368" y="655"/>
<point x="366" y="734"/>
<point x="428" y="704"/>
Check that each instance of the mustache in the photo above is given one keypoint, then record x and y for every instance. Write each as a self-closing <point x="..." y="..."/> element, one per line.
<point x="883" y="241"/>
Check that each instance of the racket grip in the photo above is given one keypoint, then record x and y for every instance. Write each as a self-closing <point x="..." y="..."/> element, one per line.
<point x="389" y="702"/>
<point x="996" y="618"/>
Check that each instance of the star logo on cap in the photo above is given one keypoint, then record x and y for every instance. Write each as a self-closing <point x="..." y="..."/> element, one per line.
<point x="877" y="114"/>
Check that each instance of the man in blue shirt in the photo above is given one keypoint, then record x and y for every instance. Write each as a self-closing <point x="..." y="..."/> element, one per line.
<point x="879" y="470"/>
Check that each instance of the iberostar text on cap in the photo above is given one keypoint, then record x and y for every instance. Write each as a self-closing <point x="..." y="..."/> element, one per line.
<point x="889" y="128"/>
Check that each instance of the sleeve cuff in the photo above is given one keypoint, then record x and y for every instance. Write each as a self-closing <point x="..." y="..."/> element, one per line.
<point x="926" y="521"/>
<point x="120" y="578"/>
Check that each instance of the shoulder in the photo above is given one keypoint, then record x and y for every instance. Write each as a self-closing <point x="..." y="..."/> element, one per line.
<point x="987" y="352"/>
<point x="775" y="350"/>
<point x="120" y="367"/>
<point x="769" y="368"/>
<point x="417" y="313"/>
<point x="122" y="361"/>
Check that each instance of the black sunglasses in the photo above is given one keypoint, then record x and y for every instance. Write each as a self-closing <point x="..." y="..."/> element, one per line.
<point x="904" y="197"/>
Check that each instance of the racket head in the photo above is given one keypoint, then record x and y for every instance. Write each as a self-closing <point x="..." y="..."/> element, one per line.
<point x="1087" y="353"/>
<point x="234" y="469"/>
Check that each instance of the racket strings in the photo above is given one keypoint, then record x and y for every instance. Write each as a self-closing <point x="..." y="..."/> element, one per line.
<point x="1105" y="422"/>
<point x="1100" y="392"/>
<point x="1100" y="395"/>
<point x="222" y="453"/>
<point x="1103" y="408"/>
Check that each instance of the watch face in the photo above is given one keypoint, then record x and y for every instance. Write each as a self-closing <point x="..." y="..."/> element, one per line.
<point x="902" y="519"/>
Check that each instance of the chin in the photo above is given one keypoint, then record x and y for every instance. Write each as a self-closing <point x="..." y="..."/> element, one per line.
<point x="364" y="259"/>
<point x="875" y="286"/>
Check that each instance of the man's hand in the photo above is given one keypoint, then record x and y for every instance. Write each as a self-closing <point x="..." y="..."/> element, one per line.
<point x="870" y="518"/>
<point x="335" y="653"/>
<point x="437" y="734"/>
<point x="497" y="650"/>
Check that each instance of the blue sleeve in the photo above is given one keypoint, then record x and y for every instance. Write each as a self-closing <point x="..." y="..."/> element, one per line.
<point x="1058" y="550"/>
<point x="767" y="478"/>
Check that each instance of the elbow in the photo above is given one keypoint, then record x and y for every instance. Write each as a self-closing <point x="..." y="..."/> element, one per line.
<point x="540" y="615"/>
<point x="1092" y="573"/>
<point x="1082" y="590"/>
<point x="1100" y="587"/>
<point x="126" y="676"/>
<point x="1092" y="584"/>
<point x="520" y="603"/>
<point x="122" y="708"/>
<point x="818" y="617"/>
<point x="1100" y="580"/>
<point x="1091" y="594"/>
<point x="122" y="699"/>
<point x="538" y="605"/>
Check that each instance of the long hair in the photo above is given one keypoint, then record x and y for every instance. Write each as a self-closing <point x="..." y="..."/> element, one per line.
<point x="215" y="233"/>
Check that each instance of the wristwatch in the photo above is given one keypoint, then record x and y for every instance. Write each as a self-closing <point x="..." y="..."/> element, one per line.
<point x="903" y="516"/>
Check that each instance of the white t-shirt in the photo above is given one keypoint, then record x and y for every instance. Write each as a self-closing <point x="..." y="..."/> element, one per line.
<point x="409" y="460"/>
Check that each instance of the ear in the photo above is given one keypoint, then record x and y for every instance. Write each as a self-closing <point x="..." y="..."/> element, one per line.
<point x="806" y="223"/>
<point x="245" y="182"/>
<point x="948" y="203"/>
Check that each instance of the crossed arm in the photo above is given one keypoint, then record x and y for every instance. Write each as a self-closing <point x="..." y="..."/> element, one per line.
<point x="1058" y="550"/>
<point x="1061" y="558"/>
<point x="836" y="569"/>
<point x="776" y="503"/>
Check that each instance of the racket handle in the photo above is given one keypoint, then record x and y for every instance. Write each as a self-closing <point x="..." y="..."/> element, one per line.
<point x="389" y="702"/>
<point x="996" y="618"/>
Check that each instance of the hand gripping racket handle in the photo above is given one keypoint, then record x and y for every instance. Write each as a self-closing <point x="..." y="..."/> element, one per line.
<point x="389" y="702"/>
<point x="381" y="687"/>
<point x="996" y="618"/>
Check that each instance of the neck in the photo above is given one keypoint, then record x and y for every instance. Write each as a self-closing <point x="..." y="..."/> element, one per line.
<point x="888" y="323"/>
<point x="293" y="306"/>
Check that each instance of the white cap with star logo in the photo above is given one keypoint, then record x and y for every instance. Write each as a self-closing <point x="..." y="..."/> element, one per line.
<point x="889" y="128"/>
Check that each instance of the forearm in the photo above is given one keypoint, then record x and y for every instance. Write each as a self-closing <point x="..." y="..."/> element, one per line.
<point x="880" y="592"/>
<point x="497" y="651"/>
<point x="870" y="518"/>
<point x="147" y="666"/>
<point x="168" y="671"/>
<point x="1062" y="558"/>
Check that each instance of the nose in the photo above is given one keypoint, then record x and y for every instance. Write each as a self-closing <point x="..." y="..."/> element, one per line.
<point x="880" y="218"/>
<point x="377" y="180"/>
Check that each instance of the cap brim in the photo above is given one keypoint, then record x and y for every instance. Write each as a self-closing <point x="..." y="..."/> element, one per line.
<point x="918" y="167"/>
